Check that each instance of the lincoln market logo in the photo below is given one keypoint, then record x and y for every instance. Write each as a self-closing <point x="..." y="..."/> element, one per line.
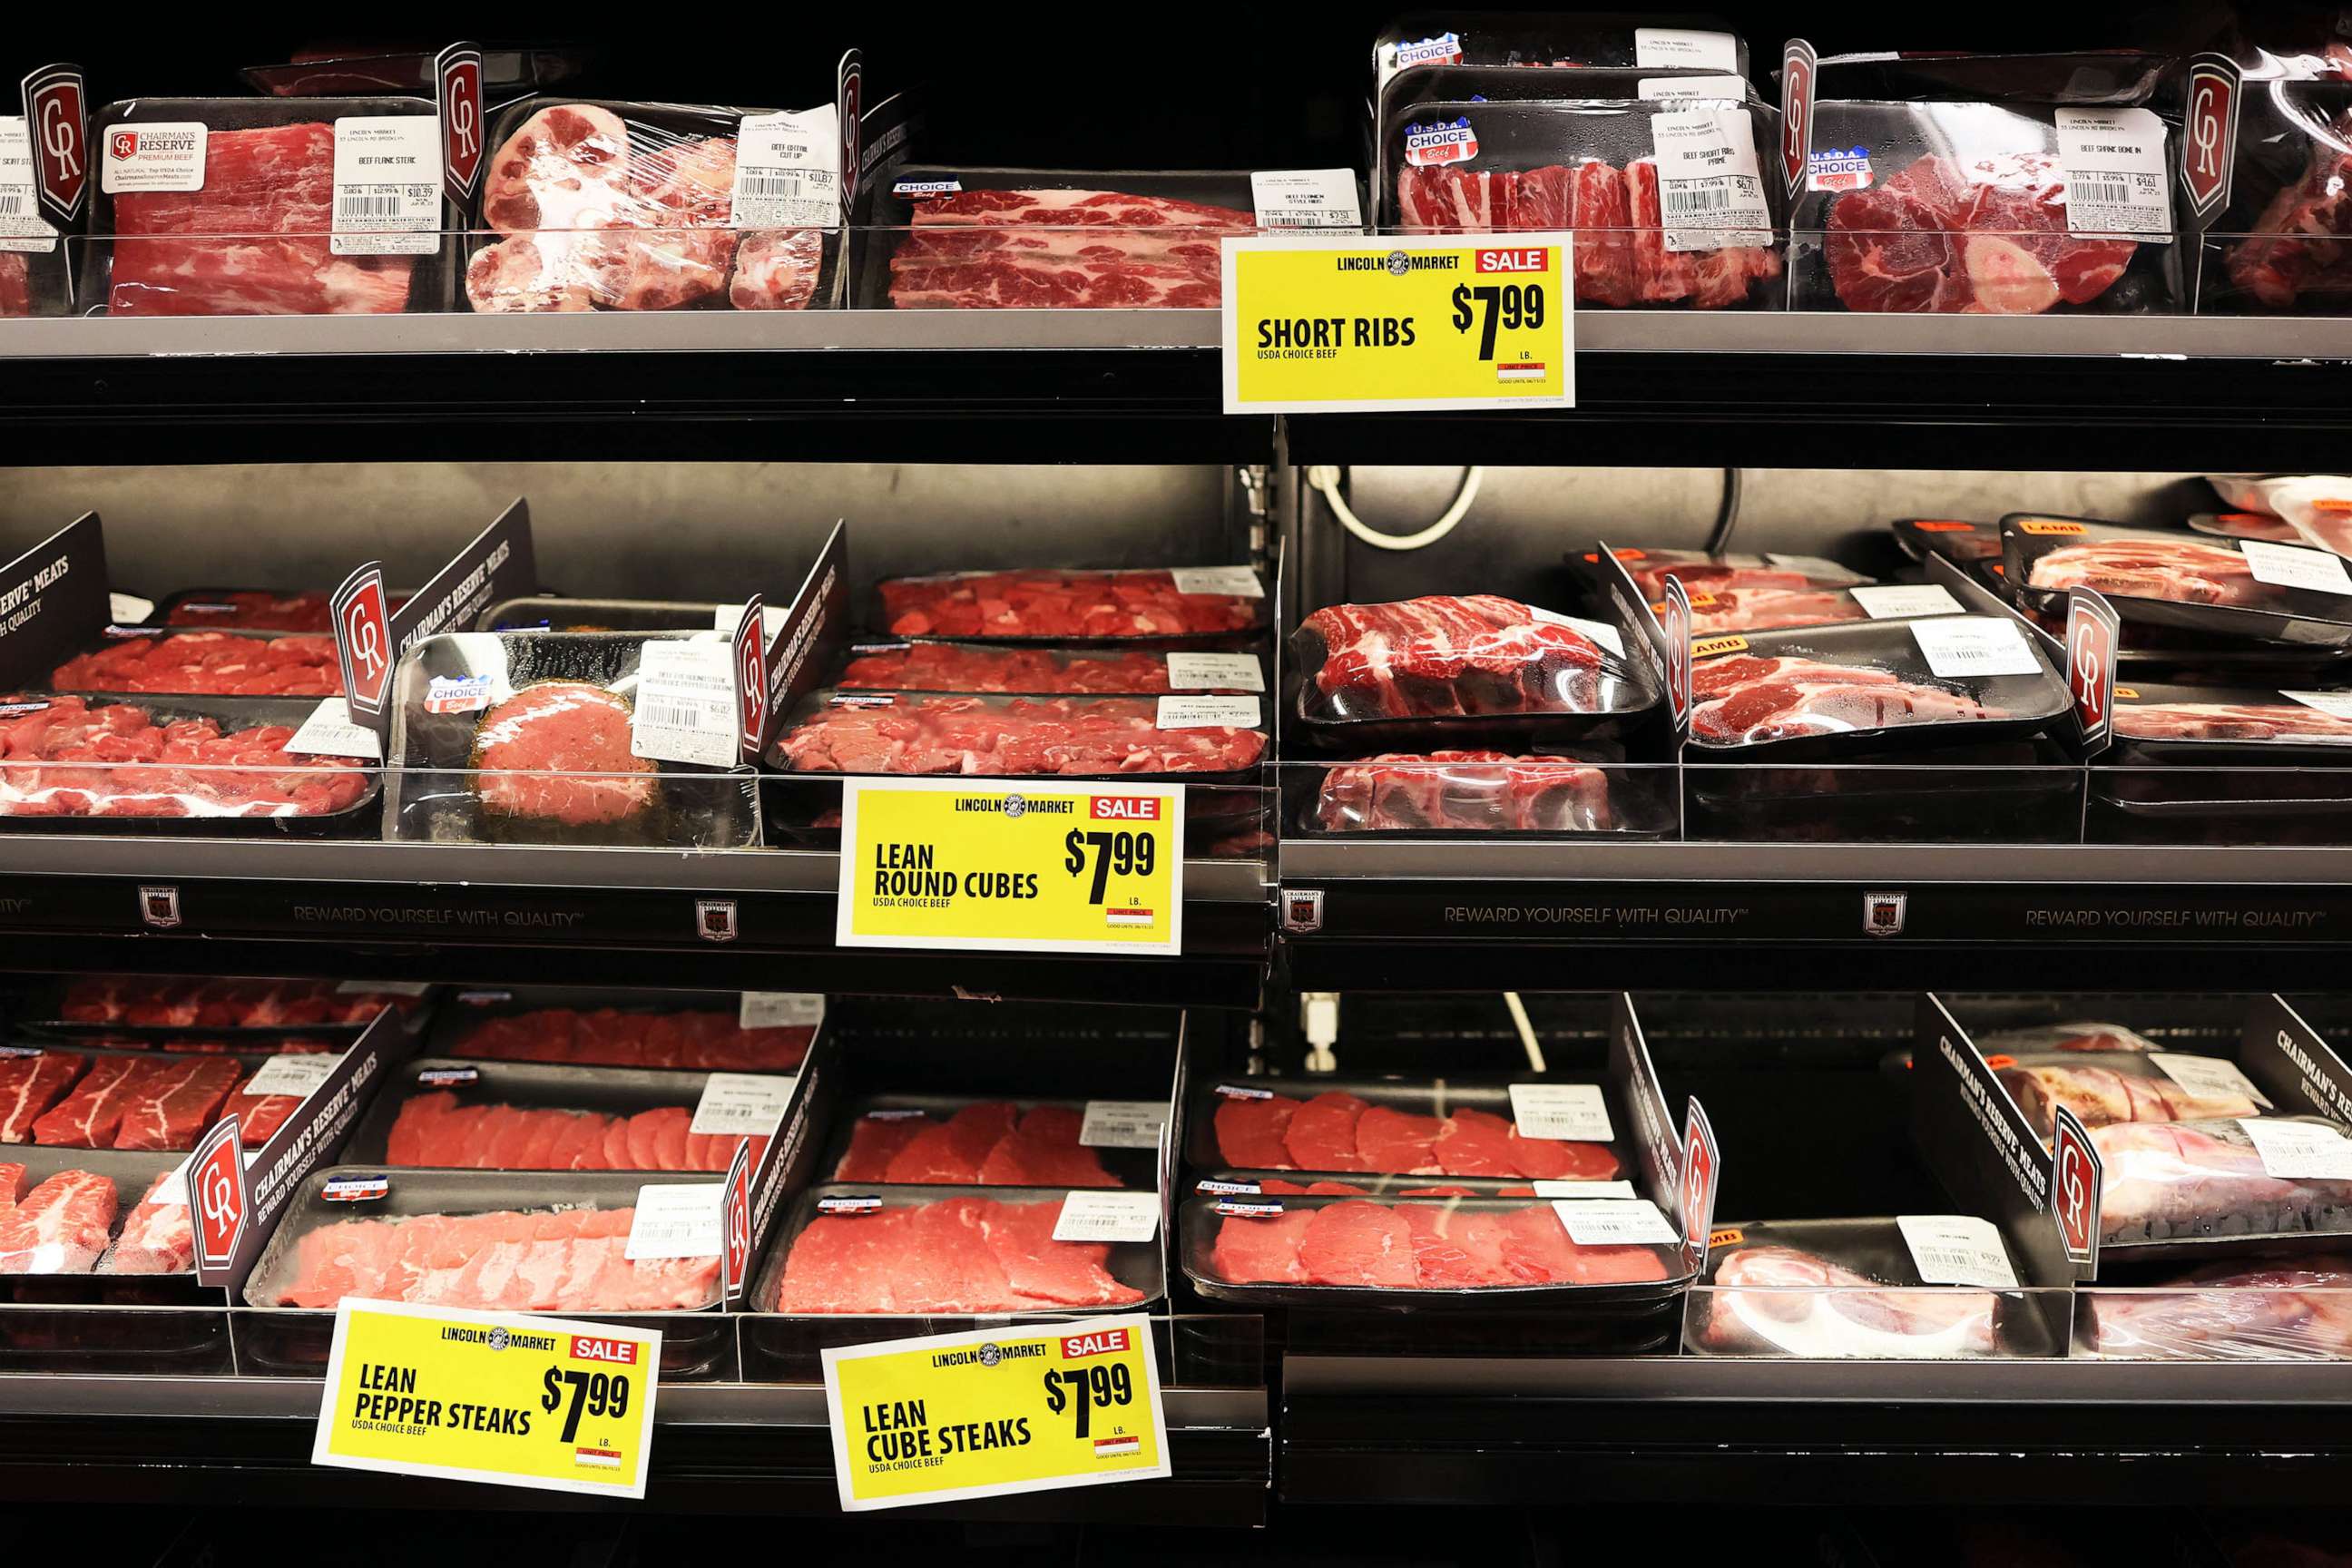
<point x="54" y="108"/>
<point x="1882" y="913"/>
<point x="990" y="1354"/>
<point x="1398" y="263"/>
<point x="2205" y="149"/>
<point x="497" y="1339"/>
<point x="1015" y="806"/>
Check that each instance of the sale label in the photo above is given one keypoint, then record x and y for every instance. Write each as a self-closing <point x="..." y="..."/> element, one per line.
<point x="1012" y="865"/>
<point x="503" y="1399"/>
<point x="994" y="1412"/>
<point x="1314" y="325"/>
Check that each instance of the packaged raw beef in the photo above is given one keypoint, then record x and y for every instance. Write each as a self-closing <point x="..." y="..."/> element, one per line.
<point x="79" y="1096"/>
<point x="231" y="207"/>
<point x="2081" y="1036"/>
<point x="974" y="239"/>
<point x="454" y="1114"/>
<point x="1446" y="1127"/>
<point x="2125" y="1086"/>
<point x="91" y="1213"/>
<point x="1843" y="689"/>
<point x="620" y="1029"/>
<point x="254" y="610"/>
<point x="1420" y="44"/>
<point x="603" y="205"/>
<point x="553" y="614"/>
<point x="2217" y="725"/>
<point x="1667" y="199"/>
<point x="1013" y="737"/>
<point x="959" y="1141"/>
<point x="1042" y="671"/>
<point x="171" y="766"/>
<point x="1838" y="1288"/>
<point x="2183" y="1186"/>
<point x="948" y="1252"/>
<point x="205" y="664"/>
<point x="1479" y="666"/>
<point x="171" y="1001"/>
<point x="1453" y="792"/>
<point x="2011" y="184"/>
<point x="1245" y="1184"/>
<point x="1961" y="543"/>
<point x="536" y="738"/>
<point x="1700" y="572"/>
<point x="1772" y="609"/>
<point x="1149" y="606"/>
<point x="2280" y="246"/>
<point x="2297" y="1309"/>
<point x="2242" y="588"/>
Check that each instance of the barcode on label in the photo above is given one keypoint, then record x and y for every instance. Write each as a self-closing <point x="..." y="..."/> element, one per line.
<point x="2103" y="192"/>
<point x="789" y="186"/>
<point x="1683" y="203"/>
<point x="392" y="204"/>
<point x="675" y="716"/>
<point x="13" y="204"/>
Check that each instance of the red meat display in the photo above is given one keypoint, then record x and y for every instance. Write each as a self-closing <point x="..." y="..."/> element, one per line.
<point x="569" y="1261"/>
<point x="127" y="1102"/>
<point x="1785" y="1301"/>
<point x="1449" y="655"/>
<point x="15" y="284"/>
<point x="558" y="750"/>
<point x="945" y="667"/>
<point x="60" y="1226"/>
<point x="2103" y="1095"/>
<point x="29" y="1085"/>
<point x="959" y="1256"/>
<point x="2180" y="570"/>
<point x="1984" y="238"/>
<point x="1078" y="606"/>
<point x="148" y="999"/>
<point x="2255" y="721"/>
<point x="435" y="1130"/>
<point x="1009" y="737"/>
<point x="988" y="1145"/>
<point x="253" y="242"/>
<point x="1419" y="1247"/>
<point x="1465" y="792"/>
<point x="185" y="768"/>
<point x="1335" y="1131"/>
<point x="2166" y="1179"/>
<point x="2230" y="1310"/>
<point x="1061" y="250"/>
<point x="1763" y="609"/>
<point x="1746" y="700"/>
<point x="2299" y="242"/>
<point x="258" y="609"/>
<point x="605" y="1036"/>
<point x="1620" y="254"/>
<point x="157" y="1237"/>
<point x="207" y="664"/>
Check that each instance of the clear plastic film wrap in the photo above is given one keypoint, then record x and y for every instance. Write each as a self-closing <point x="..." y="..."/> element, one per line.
<point x="1836" y="1289"/>
<point x="1482" y="791"/>
<point x="2283" y="242"/>
<point x="2122" y="1086"/>
<point x="161" y="661"/>
<point x="2089" y="1035"/>
<point x="1049" y="605"/>
<point x="2215" y="1180"/>
<point x="2290" y="1310"/>
<point x="2177" y="581"/>
<point x="1393" y="1127"/>
<point x="1021" y="671"/>
<point x="636" y="206"/>
<point x="193" y="765"/>
<point x="1701" y="573"/>
<point x="1015" y="737"/>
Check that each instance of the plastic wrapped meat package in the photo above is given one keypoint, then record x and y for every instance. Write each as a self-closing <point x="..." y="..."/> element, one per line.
<point x="172" y="764"/>
<point x="256" y="609"/>
<point x="948" y="1252"/>
<point x="1478" y="792"/>
<point x="449" y="1114"/>
<point x="2123" y="1085"/>
<point x="634" y="207"/>
<point x="1145" y="607"/>
<point x="1021" y="671"/>
<point x="2078" y="1037"/>
<point x="170" y="1001"/>
<point x="2283" y="242"/>
<point x="205" y="664"/>
<point x="1836" y="1289"/>
<point x="534" y="737"/>
<point x="973" y="239"/>
<point x="2285" y="508"/>
<point x="2288" y="1309"/>
<point x="2185" y="1185"/>
<point x="2226" y="765"/>
<point x="1390" y="1126"/>
<point x="255" y="237"/>
<point x="1597" y="42"/>
<point x="935" y="1140"/>
<point x="2251" y="590"/>
<point x="1020" y="737"/>
<point x="68" y="1094"/>
<point x="537" y="1029"/>
<point x="67" y="1214"/>
<point x="1667" y="200"/>
<point x="1700" y="572"/>
<point x="1969" y="186"/>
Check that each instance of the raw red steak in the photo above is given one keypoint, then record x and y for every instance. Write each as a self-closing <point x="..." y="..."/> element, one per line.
<point x="1360" y="1243"/>
<point x="607" y="1037"/>
<point x="62" y="1227"/>
<point x="1987" y="237"/>
<point x="2180" y="570"/>
<point x="571" y="1260"/>
<point x="1763" y="609"/>
<point x="89" y="1117"/>
<point x="959" y="1256"/>
<point x="207" y="664"/>
<point x="1061" y="250"/>
<point x="185" y="768"/>
<point x="1252" y="1130"/>
<point x="15" y="284"/>
<point x="1045" y="602"/>
<point x="253" y="242"/>
<point x="255" y="609"/>
<point x="1017" y="736"/>
<point x="2299" y="242"/>
<point x="951" y="1151"/>
<point x="222" y="1004"/>
<point x="1262" y="1249"/>
<point x="1341" y="1132"/>
<point x="1322" y="1135"/>
<point x="2255" y="721"/>
<point x="1449" y="655"/>
<point x="558" y="750"/>
<point x="1464" y="791"/>
<point x="1745" y="701"/>
<point x="1419" y="1247"/>
<point x="946" y="667"/>
<point x="170" y="1103"/>
<point x="31" y="1085"/>
<point x="435" y="1129"/>
<point x="157" y="1236"/>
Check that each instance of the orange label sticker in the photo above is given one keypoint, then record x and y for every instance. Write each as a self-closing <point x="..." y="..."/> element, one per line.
<point x="2001" y="1059"/>
<point x="1945" y="527"/>
<point x="1725" y="1235"/>
<point x="2063" y="530"/>
<point x="1715" y="648"/>
<point x="2126" y="694"/>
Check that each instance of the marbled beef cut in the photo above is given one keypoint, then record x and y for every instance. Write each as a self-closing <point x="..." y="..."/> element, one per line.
<point x="558" y="751"/>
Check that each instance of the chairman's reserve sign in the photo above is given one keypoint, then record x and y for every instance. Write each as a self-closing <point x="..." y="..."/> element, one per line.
<point x="1316" y="325"/>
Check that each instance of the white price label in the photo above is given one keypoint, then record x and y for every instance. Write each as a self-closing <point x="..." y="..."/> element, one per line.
<point x="1616" y="1222"/>
<point x="1101" y="1214"/>
<point x="684" y="708"/>
<point x="330" y="732"/>
<point x="1667" y="89"/>
<point x="1206" y="712"/>
<point x="741" y="1104"/>
<point x="788" y="171"/>
<point x="1710" y="189"/>
<point x="2300" y="1151"/>
<point x="725" y="617"/>
<point x="1122" y="1124"/>
<point x="1233" y="581"/>
<point x="173" y="1192"/>
<point x="2292" y="566"/>
<point x="128" y="609"/>
<point x="2215" y="1078"/>
<point x="1585" y="1192"/>
<point x="780" y="1010"/>
<point x="1956" y="1249"/>
<point x="2337" y="704"/>
<point x="297" y="1075"/>
<point x="1572" y="1111"/>
<point x="1974" y="646"/>
<point x="679" y="1219"/>
<point x="1216" y="672"/>
<point x="1906" y="601"/>
<point x="1657" y="48"/>
<point x="22" y="227"/>
<point x="151" y="157"/>
<point x="1602" y="632"/>
<point x="387" y="186"/>
<point x="2117" y="179"/>
<point x="1306" y="198"/>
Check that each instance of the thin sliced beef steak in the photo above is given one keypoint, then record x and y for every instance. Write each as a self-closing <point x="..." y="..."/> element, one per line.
<point x="607" y="1037"/>
<point x="1447" y="656"/>
<point x="60" y="1226"/>
<point x="1061" y="249"/>
<point x="131" y="766"/>
<point x="1418" y="1246"/>
<point x="953" y="1151"/>
<point x="1322" y="1134"/>
<point x="558" y="750"/>
<point x="207" y="664"/>
<point x="170" y="1104"/>
<point x="572" y="1260"/>
<point x="1251" y="1132"/>
<point x="157" y="1236"/>
<point x="959" y="1256"/>
<point x="1012" y="737"/>
<point x="1355" y="1243"/>
<point x="1464" y="791"/>
<point x="1045" y="603"/>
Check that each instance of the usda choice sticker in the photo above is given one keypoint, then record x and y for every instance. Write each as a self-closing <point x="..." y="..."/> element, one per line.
<point x="1448" y="141"/>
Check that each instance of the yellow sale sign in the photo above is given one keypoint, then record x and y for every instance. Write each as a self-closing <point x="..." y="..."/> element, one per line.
<point x="995" y="1411"/>
<point x="507" y="1398"/>
<point x="1314" y="325"/>
<point x="1012" y="865"/>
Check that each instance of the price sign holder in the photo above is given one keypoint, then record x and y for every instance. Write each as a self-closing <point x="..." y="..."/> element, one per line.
<point x="992" y="1412"/>
<point x="1319" y="325"/>
<point x="1013" y="866"/>
<point x="507" y="1399"/>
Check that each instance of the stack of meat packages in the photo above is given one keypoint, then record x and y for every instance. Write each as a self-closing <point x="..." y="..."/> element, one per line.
<point x="1962" y="185"/>
<point x="2283" y="242"/>
<point x="629" y="207"/>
